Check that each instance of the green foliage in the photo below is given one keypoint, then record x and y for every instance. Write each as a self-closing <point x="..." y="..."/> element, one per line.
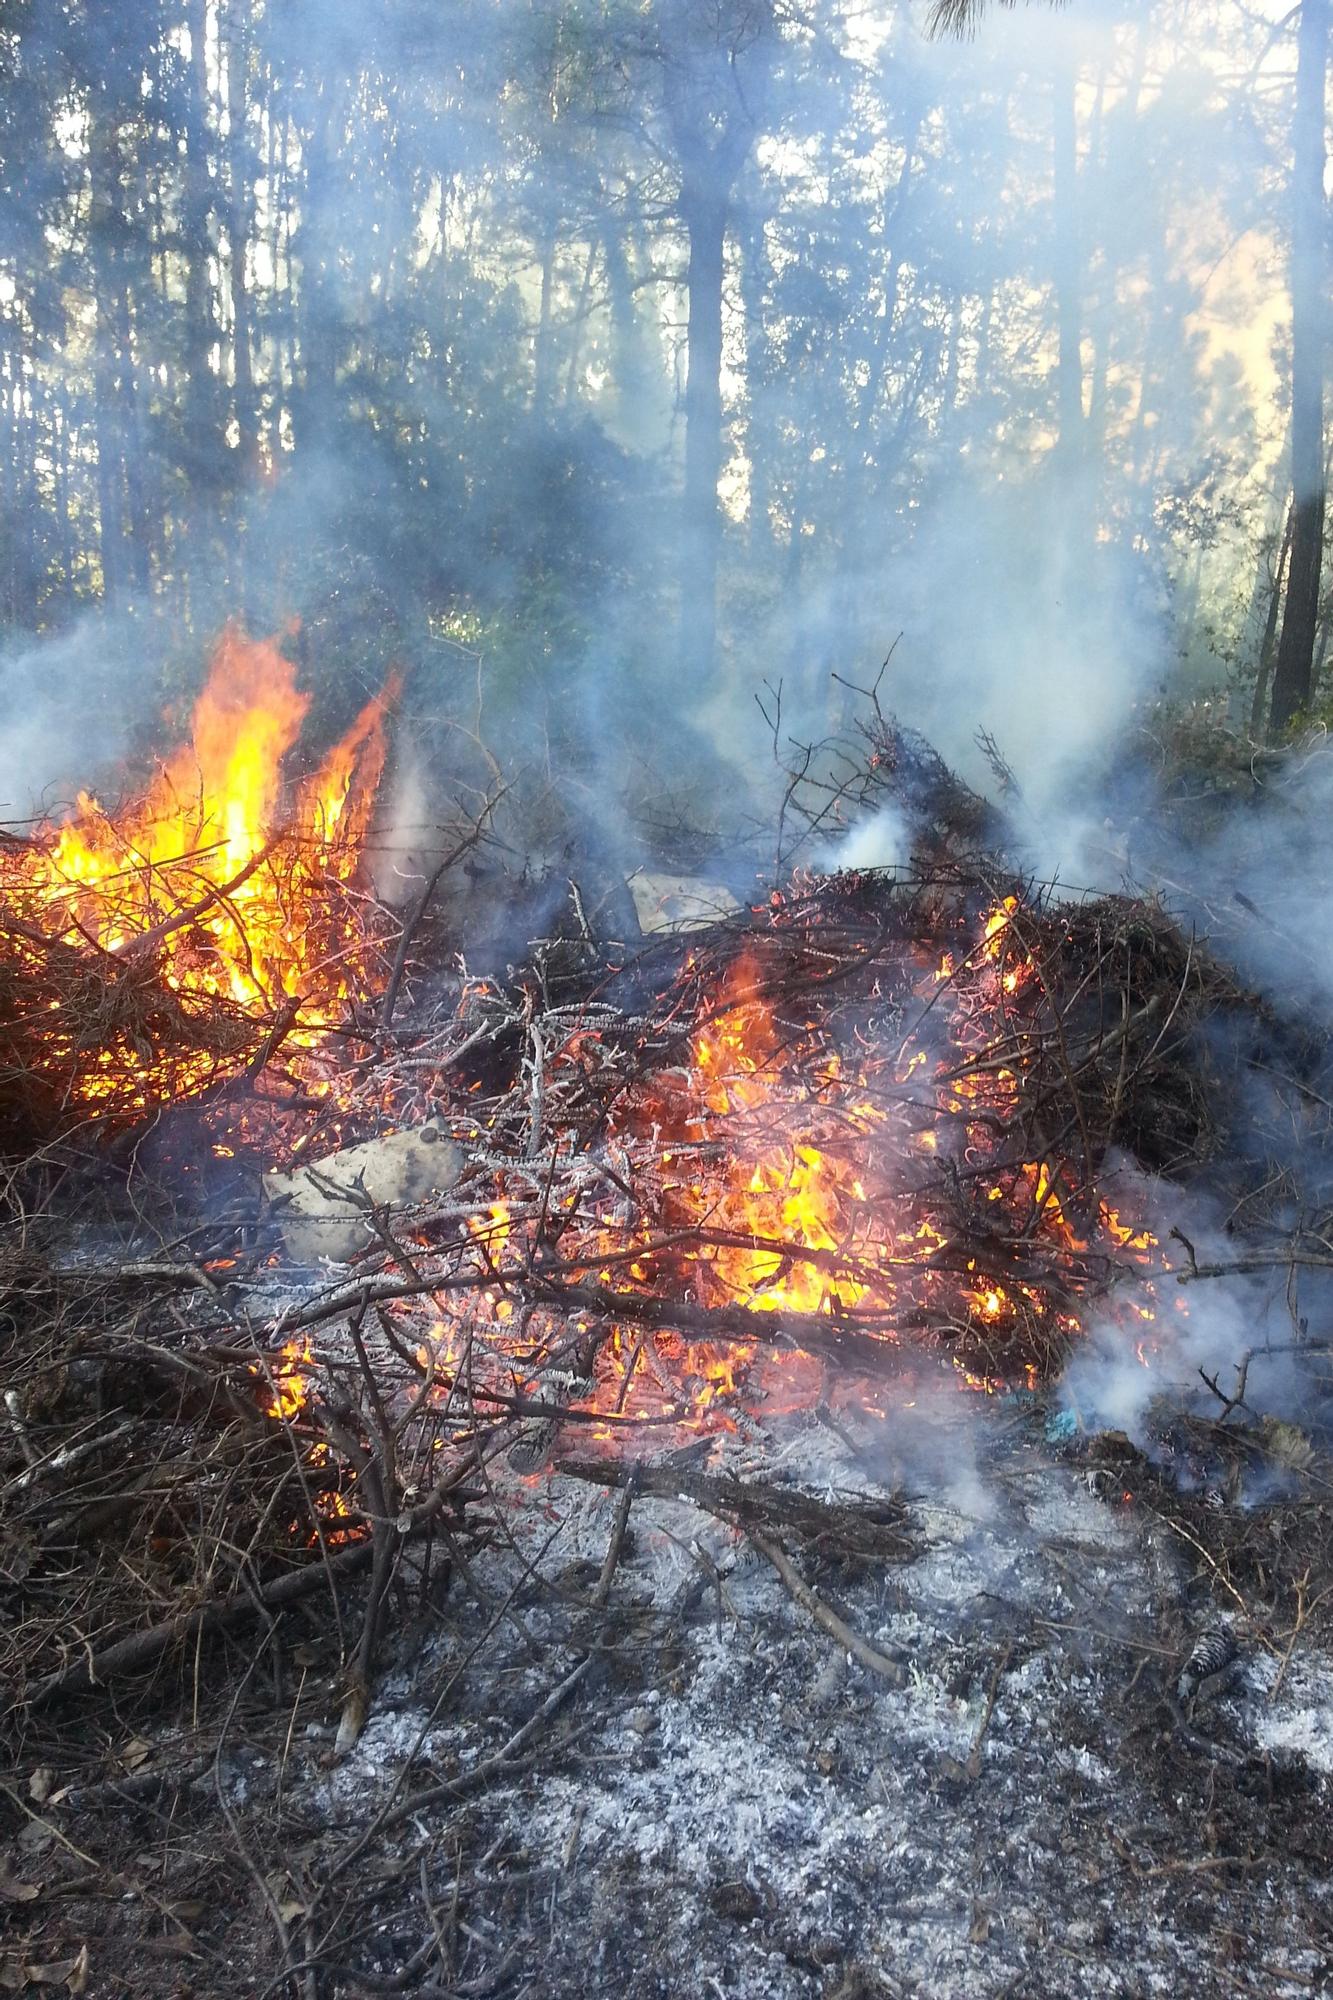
<point x="376" y="318"/>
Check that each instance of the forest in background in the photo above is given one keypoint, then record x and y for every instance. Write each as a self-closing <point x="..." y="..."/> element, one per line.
<point x="666" y="1262"/>
<point x="645" y="352"/>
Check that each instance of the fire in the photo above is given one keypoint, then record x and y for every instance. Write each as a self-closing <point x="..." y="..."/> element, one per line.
<point x="205" y="840"/>
<point x="824" y="1152"/>
<point x="287" y="1381"/>
<point x="786" y="1190"/>
<point x="230" y="881"/>
<point x="799" y="1162"/>
<point x="814" y="1156"/>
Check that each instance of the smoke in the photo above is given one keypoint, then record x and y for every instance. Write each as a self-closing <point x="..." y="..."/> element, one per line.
<point x="1215" y="1331"/>
<point x="470" y="337"/>
<point x="1039" y="637"/>
<point x="456" y="447"/>
<point x="882" y="840"/>
<point x="1258" y="873"/>
<point x="69" y="708"/>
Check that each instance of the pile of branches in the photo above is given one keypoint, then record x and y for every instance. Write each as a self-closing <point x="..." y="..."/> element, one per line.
<point x="93" y="1042"/>
<point x="193" y="1473"/>
<point x="164" y="1480"/>
<point x="169" y="1481"/>
<point x="1120" y="1036"/>
<point x="208" y="1545"/>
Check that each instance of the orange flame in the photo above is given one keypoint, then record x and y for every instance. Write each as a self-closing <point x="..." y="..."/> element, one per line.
<point x="212" y="867"/>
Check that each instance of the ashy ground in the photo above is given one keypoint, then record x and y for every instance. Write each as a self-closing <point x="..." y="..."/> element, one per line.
<point x="666" y="1778"/>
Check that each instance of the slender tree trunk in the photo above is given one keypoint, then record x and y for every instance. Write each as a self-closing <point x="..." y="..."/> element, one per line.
<point x="543" y="356"/>
<point x="705" y="214"/>
<point x="103" y="223"/>
<point x="63" y="475"/>
<point x="1293" y="679"/>
<point x="11" y="501"/>
<point x="1069" y="388"/>
<point x="313" y="410"/>
<point x="756" y="277"/>
<point x="630" y="360"/>
<point x="712" y="147"/>
<point x="23" y="564"/>
<point x="984" y="345"/>
<point x="1261" y="680"/>
<point x="1113" y="134"/>
<point x="202" y="455"/>
<point x="239" y="220"/>
<point x="282" y="366"/>
<point x="868" y="401"/>
<point x="949" y="390"/>
<point x="575" y="357"/>
<point x="138" y="519"/>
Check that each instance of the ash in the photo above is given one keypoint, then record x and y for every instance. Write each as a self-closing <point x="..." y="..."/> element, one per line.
<point x="729" y="1804"/>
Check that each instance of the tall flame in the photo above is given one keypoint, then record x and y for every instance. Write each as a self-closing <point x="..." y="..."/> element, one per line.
<point x="220" y="867"/>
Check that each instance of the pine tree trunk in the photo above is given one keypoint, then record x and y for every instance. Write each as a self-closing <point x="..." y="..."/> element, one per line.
<point x="756" y="279"/>
<point x="1069" y="389"/>
<point x="574" y="359"/>
<point x="543" y="356"/>
<point x="1293" y="680"/>
<point x="239" y="220"/>
<point x="201" y="457"/>
<point x="313" y="410"/>
<point x="104" y="220"/>
<point x="705" y="215"/>
<point x="630" y="360"/>
<point x="868" y="401"/>
<point x="1264" y="674"/>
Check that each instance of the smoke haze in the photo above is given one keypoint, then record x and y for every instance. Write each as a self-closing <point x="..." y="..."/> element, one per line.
<point x="604" y="373"/>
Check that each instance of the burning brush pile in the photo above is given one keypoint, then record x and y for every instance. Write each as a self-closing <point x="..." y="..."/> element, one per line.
<point x="679" y="1185"/>
<point x="856" y="1126"/>
<point x="860" y="1118"/>
<point x="158" y="952"/>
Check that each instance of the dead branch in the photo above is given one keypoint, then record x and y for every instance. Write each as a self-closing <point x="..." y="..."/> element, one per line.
<point x="825" y="1616"/>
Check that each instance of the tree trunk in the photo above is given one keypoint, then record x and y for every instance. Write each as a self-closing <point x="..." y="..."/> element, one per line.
<point x="21" y="508"/>
<point x="313" y="410"/>
<point x="756" y="279"/>
<point x="574" y="359"/>
<point x="239" y="219"/>
<point x="633" y="374"/>
<point x="202" y="454"/>
<point x="1260" y="701"/>
<point x="282" y="369"/>
<point x="1069" y="387"/>
<point x="104" y="221"/>
<point x="543" y="352"/>
<point x="705" y="215"/>
<point x="868" y="401"/>
<point x="138" y="523"/>
<point x="1113" y="135"/>
<point x="1293" y="680"/>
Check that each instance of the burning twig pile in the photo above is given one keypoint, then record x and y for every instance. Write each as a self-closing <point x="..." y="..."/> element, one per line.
<point x="158" y="1491"/>
<point x="866" y="1126"/>
<point x="151" y="955"/>
<point x="863" y="1129"/>
<point x="861" y="1122"/>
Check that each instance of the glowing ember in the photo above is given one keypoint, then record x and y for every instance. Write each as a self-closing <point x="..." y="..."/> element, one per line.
<point x="286" y="1381"/>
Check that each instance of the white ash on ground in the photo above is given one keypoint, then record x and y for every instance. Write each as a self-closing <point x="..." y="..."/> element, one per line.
<point x="729" y="1805"/>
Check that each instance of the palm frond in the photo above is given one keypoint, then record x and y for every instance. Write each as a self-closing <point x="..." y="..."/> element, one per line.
<point x="963" y="17"/>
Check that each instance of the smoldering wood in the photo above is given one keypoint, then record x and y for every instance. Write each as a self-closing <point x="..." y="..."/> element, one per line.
<point x="386" y="1476"/>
